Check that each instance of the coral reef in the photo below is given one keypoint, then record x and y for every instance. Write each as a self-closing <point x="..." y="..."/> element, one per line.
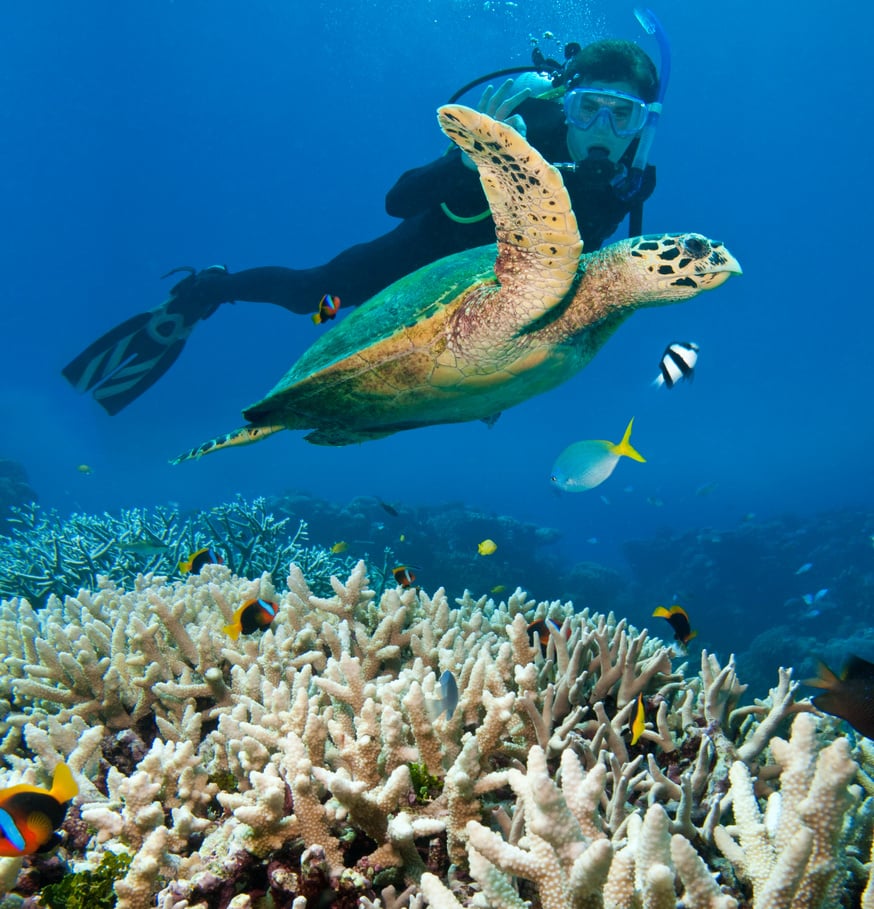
<point x="311" y="763"/>
<point x="46" y="554"/>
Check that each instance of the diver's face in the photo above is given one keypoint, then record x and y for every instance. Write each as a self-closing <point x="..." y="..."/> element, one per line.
<point x="599" y="140"/>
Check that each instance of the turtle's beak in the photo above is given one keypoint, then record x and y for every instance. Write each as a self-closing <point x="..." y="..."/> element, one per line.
<point x="720" y="266"/>
<point x="716" y="279"/>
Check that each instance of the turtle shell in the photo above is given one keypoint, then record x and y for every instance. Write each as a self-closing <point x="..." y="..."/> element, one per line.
<point x="379" y="366"/>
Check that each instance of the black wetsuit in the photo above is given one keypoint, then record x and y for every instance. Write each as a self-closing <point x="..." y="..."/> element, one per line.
<point x="426" y="233"/>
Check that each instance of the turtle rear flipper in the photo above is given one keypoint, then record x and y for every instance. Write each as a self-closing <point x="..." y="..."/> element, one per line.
<point x="245" y="435"/>
<point x="539" y="243"/>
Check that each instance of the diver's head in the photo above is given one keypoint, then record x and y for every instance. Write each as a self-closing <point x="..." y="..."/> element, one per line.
<point x="609" y="85"/>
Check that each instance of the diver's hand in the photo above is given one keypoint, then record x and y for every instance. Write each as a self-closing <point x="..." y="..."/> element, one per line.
<point x="499" y="104"/>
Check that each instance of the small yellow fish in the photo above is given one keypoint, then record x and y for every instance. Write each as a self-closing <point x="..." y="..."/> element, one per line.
<point x="487" y="547"/>
<point x="498" y="588"/>
<point x="402" y="538"/>
<point x="639" y="723"/>
<point x="85" y="470"/>
<point x="339" y="547"/>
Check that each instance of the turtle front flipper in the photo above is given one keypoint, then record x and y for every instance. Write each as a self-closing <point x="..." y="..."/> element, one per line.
<point x="539" y="244"/>
<point x="245" y="435"/>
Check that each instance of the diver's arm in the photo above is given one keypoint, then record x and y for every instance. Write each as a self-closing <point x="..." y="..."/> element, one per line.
<point x="444" y="180"/>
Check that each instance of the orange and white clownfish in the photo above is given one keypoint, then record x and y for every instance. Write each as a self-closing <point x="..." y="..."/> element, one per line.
<point x="328" y="306"/>
<point x="29" y="815"/>
<point x="251" y="616"/>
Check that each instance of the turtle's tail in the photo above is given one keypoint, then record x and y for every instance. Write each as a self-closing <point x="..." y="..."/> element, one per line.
<point x="243" y="436"/>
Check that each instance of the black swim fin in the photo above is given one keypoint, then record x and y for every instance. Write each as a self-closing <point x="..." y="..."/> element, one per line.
<point x="119" y="366"/>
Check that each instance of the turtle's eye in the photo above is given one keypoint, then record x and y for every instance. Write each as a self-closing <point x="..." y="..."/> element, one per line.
<point x="697" y="247"/>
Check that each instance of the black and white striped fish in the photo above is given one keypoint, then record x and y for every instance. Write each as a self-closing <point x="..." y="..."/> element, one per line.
<point x="678" y="362"/>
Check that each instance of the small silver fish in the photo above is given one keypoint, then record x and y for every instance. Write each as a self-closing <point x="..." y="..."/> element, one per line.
<point x="448" y="699"/>
<point x="143" y="547"/>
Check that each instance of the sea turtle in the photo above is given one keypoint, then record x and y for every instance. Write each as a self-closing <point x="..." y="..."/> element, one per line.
<point x="471" y="334"/>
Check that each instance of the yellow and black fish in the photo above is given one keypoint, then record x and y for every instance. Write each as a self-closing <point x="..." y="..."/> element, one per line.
<point x="850" y="695"/>
<point x="251" y="616"/>
<point x="678" y="620"/>
<point x="196" y="561"/>
<point x="29" y="815"/>
<point x="639" y="724"/>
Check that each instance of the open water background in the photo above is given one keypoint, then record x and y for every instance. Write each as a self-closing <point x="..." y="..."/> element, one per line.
<point x="137" y="137"/>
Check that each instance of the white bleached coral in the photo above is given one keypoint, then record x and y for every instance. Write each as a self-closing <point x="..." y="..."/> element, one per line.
<point x="310" y="755"/>
<point x="792" y="855"/>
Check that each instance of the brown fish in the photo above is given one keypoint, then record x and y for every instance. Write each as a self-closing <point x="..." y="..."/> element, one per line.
<point x="850" y="696"/>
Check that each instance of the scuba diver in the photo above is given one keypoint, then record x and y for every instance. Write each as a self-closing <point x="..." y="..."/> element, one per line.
<point x="592" y="116"/>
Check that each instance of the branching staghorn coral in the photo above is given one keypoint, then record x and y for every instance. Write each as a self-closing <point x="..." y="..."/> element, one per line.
<point x="284" y="756"/>
<point x="46" y="554"/>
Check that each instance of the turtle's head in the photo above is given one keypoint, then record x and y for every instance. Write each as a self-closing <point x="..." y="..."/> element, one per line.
<point x="668" y="268"/>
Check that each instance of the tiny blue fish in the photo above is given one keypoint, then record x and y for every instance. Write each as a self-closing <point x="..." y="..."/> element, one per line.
<point x="811" y="598"/>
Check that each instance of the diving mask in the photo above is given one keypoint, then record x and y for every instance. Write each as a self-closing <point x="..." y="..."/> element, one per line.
<point x="626" y="114"/>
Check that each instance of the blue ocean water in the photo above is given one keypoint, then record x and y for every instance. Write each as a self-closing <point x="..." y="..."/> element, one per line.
<point x="142" y="136"/>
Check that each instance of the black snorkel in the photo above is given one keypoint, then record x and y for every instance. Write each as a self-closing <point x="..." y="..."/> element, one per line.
<point x="651" y="25"/>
